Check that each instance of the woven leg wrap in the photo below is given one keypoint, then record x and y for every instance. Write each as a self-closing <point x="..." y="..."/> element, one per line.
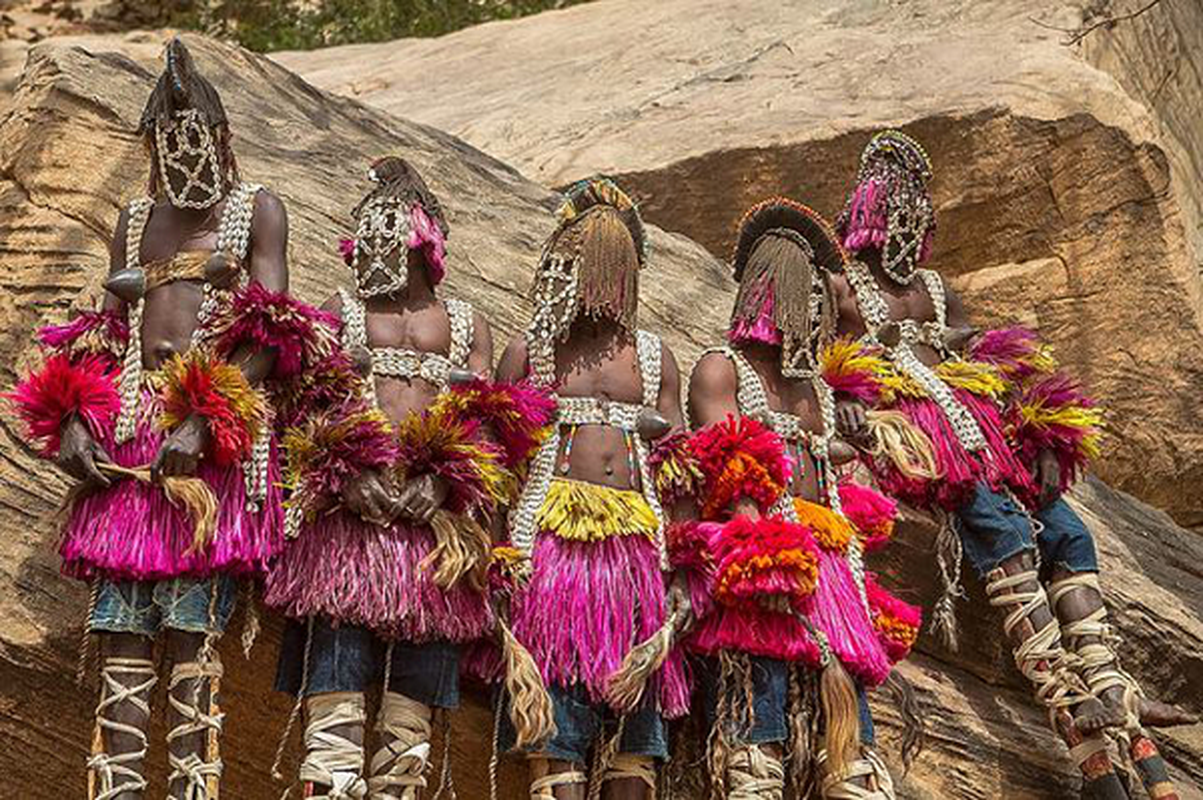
<point x="1040" y="657"/>
<point x="866" y="778"/>
<point x="111" y="775"/>
<point x="331" y="759"/>
<point x="401" y="762"/>
<point x="1097" y="661"/>
<point x="543" y="784"/>
<point x="626" y="765"/>
<point x="753" y="774"/>
<point x="202" y="776"/>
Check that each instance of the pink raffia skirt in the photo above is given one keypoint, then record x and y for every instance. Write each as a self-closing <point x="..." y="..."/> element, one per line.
<point x="131" y="531"/>
<point x="590" y="600"/>
<point x="996" y="465"/>
<point x="355" y="573"/>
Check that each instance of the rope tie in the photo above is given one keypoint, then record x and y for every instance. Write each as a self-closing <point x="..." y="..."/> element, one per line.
<point x="200" y="775"/>
<point x="405" y="755"/>
<point x="949" y="557"/>
<point x="330" y="758"/>
<point x="106" y="769"/>
<point x="866" y="778"/>
<point x="1097" y="661"/>
<point x="543" y="786"/>
<point x="1040" y="657"/>
<point x="604" y="758"/>
<point x="295" y="713"/>
<point x="446" y="778"/>
<point x="627" y="765"/>
<point x="753" y="774"/>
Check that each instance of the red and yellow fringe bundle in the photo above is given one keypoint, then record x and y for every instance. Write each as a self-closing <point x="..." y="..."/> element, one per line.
<point x="199" y="384"/>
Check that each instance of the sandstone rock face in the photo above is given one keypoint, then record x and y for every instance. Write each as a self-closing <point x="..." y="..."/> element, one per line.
<point x="68" y="160"/>
<point x="1067" y="188"/>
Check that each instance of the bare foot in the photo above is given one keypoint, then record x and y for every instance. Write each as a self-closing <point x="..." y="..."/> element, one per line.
<point x="1093" y="716"/>
<point x="1156" y="714"/>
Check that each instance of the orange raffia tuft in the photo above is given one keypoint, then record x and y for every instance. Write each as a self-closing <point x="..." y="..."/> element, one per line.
<point x="831" y="532"/>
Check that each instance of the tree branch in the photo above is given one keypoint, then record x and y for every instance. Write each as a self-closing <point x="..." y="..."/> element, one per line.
<point x="1076" y="35"/>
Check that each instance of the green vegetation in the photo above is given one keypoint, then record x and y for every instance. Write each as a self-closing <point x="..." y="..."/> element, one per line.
<point x="266" y="25"/>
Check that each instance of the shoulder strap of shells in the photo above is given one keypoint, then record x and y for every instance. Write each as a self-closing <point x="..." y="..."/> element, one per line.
<point x="355" y="320"/>
<point x="651" y="366"/>
<point x="463" y="331"/>
<point x="130" y="382"/>
<point x="939" y="297"/>
<point x="234" y="230"/>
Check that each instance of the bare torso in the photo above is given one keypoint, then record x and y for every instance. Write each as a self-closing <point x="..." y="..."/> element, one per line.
<point x="171" y="310"/>
<point x="600" y="361"/>
<point x="423" y="327"/>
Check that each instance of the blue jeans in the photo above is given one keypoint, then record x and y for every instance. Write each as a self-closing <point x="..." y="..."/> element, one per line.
<point x="994" y="529"/>
<point x="580" y="722"/>
<point x="351" y="659"/>
<point x="770" y="702"/>
<point x="191" y="605"/>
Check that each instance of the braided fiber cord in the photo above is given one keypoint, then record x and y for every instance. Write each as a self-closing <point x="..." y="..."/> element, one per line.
<point x="1098" y="663"/>
<point x="200" y="774"/>
<point x="543" y="785"/>
<point x="105" y="769"/>
<point x="754" y="774"/>
<point x="1040" y="657"/>
<point x="629" y="766"/>
<point x="869" y="769"/>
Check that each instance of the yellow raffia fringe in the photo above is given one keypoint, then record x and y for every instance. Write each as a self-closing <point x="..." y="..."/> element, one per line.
<point x="677" y="473"/>
<point x="975" y="377"/>
<point x="845" y="357"/>
<point x="303" y="445"/>
<point x="1083" y="418"/>
<point x="831" y="531"/>
<point x="587" y="512"/>
<point x="439" y="431"/>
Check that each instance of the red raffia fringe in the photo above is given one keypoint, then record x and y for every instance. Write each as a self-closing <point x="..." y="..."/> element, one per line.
<point x="48" y="396"/>
<point x="740" y="458"/>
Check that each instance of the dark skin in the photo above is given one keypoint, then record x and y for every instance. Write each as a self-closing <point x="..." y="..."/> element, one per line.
<point x="913" y="302"/>
<point x="599" y="360"/>
<point x="412" y="319"/>
<point x="169" y="319"/>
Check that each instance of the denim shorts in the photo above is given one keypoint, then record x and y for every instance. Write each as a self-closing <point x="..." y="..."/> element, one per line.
<point x="352" y="659"/>
<point x="994" y="528"/>
<point x="770" y="702"/>
<point x="579" y="724"/>
<point x="193" y="605"/>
